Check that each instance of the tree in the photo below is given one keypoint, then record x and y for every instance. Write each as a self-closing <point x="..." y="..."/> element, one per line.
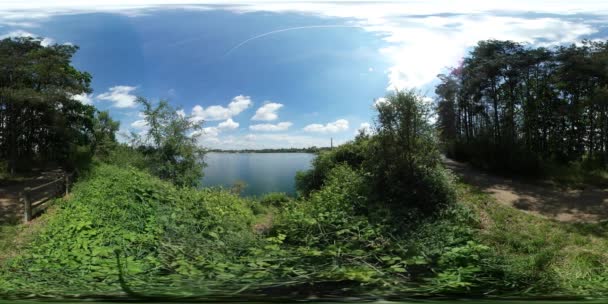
<point x="105" y="129"/>
<point x="40" y="121"/>
<point x="171" y="144"/>
<point x="404" y="162"/>
<point x="514" y="108"/>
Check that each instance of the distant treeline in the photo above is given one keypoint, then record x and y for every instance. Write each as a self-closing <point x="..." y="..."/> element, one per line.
<point x="312" y="149"/>
<point x="514" y="108"/>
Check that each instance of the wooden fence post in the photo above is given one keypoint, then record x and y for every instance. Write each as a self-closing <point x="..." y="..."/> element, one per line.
<point x="67" y="184"/>
<point x="27" y="204"/>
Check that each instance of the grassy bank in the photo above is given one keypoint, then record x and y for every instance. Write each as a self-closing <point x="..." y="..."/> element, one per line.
<point x="538" y="255"/>
<point x="124" y="232"/>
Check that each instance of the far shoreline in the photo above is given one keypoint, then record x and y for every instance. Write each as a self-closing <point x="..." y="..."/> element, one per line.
<point x="278" y="150"/>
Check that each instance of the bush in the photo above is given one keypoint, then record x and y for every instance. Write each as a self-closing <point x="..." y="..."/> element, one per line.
<point x="274" y="199"/>
<point x="334" y="243"/>
<point x="126" y="156"/>
<point x="352" y="154"/>
<point x="404" y="163"/>
<point x="159" y="232"/>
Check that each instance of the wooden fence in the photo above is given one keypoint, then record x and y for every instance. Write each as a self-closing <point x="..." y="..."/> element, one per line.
<point x="35" y="198"/>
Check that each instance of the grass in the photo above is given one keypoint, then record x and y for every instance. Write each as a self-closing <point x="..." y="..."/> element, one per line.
<point x="14" y="236"/>
<point x="539" y="255"/>
<point x="219" y="241"/>
<point x="577" y="175"/>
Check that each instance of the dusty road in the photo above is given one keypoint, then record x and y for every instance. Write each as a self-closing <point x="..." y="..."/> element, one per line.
<point x="589" y="204"/>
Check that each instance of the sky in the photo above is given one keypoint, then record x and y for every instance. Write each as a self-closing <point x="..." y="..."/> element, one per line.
<point x="276" y="74"/>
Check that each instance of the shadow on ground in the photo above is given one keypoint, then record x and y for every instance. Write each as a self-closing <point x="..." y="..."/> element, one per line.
<point x="589" y="204"/>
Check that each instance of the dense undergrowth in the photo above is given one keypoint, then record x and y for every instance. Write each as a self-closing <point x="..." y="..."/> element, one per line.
<point x="179" y="241"/>
<point x="172" y="241"/>
<point x="378" y="216"/>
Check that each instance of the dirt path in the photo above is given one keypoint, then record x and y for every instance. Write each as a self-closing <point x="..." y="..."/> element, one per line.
<point x="589" y="204"/>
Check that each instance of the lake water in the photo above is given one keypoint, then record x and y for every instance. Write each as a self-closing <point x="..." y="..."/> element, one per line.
<point x="261" y="172"/>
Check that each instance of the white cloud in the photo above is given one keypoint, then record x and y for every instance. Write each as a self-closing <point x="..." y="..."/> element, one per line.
<point x="267" y="112"/>
<point x="427" y="100"/>
<point x="208" y="132"/>
<point x="44" y="41"/>
<point x="425" y="37"/>
<point x="331" y="127"/>
<point x="366" y="127"/>
<point x="239" y="104"/>
<point x="282" y="126"/>
<point x="120" y="95"/>
<point x="268" y="140"/>
<point x="380" y="101"/>
<point x="229" y="124"/>
<point x="27" y="24"/>
<point x="211" y="131"/>
<point x="236" y="106"/>
<point x="83" y="98"/>
<point x="421" y="48"/>
<point x="181" y="113"/>
<point x="139" y="124"/>
<point x="370" y="69"/>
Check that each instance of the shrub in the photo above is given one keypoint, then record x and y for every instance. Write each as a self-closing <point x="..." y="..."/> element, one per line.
<point x="126" y="156"/>
<point x="352" y="154"/>
<point x="404" y="161"/>
<point x="160" y="232"/>
<point x="274" y="199"/>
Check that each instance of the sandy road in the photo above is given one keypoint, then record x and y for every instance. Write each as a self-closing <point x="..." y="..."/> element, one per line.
<point x="589" y="204"/>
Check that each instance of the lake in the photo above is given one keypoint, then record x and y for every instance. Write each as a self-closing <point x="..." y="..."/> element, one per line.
<point x="261" y="172"/>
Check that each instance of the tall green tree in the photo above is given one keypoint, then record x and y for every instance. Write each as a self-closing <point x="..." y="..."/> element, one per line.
<point x="39" y="118"/>
<point x="404" y="161"/>
<point x="171" y="144"/>
<point x="105" y="128"/>
<point x="514" y="108"/>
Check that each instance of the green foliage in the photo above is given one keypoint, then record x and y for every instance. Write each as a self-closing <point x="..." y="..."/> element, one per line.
<point x="334" y="242"/>
<point x="400" y="164"/>
<point x="150" y="223"/>
<point x="171" y="144"/>
<point x="40" y="120"/>
<point x="105" y="129"/>
<point x="352" y="153"/>
<point x="533" y="255"/>
<point x="577" y="174"/>
<point x="126" y="156"/>
<point x="275" y="199"/>
<point x="517" y="109"/>
<point x="404" y="162"/>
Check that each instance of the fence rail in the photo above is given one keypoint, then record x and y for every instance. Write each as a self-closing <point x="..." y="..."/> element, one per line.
<point x="34" y="198"/>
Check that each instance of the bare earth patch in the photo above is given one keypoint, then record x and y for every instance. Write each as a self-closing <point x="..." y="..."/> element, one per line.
<point x="589" y="204"/>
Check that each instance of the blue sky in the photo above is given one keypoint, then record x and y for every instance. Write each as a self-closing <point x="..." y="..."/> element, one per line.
<point x="277" y="74"/>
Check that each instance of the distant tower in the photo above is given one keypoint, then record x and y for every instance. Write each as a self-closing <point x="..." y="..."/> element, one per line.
<point x="331" y="145"/>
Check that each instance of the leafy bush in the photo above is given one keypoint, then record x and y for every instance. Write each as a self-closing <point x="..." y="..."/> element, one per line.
<point x="333" y="242"/>
<point x="352" y="153"/>
<point x="125" y="156"/>
<point x="404" y="162"/>
<point x="400" y="164"/>
<point x="171" y="144"/>
<point x="150" y="224"/>
<point x="274" y="199"/>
